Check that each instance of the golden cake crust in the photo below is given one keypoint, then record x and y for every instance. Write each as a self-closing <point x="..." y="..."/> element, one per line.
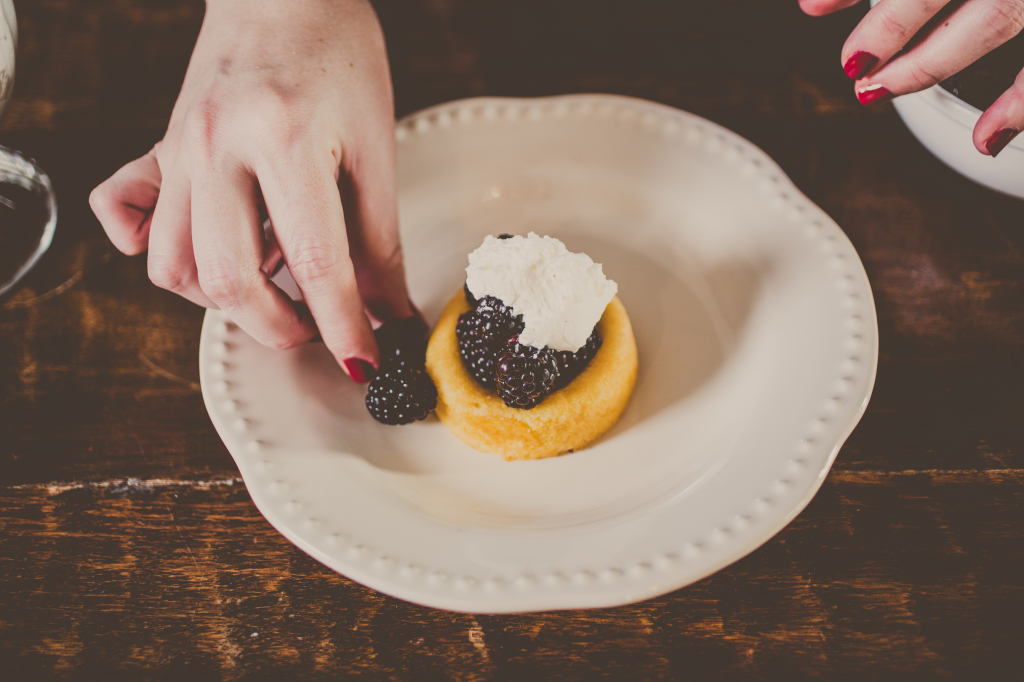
<point x="567" y="420"/>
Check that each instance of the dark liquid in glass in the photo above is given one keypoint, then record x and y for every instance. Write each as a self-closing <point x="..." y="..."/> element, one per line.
<point x="22" y="221"/>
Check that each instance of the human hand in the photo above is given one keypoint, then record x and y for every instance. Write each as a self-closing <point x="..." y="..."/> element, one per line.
<point x="286" y="102"/>
<point x="972" y="29"/>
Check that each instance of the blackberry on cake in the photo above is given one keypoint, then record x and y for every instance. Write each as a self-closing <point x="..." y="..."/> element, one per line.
<point x="496" y="321"/>
<point x="470" y="298"/>
<point x="477" y="355"/>
<point x="571" y="364"/>
<point x="524" y="374"/>
<point x="482" y="333"/>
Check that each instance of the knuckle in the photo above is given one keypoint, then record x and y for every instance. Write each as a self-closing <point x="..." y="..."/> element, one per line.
<point x="272" y="107"/>
<point x="894" y="25"/>
<point x="282" y="343"/>
<point x="268" y="119"/>
<point x="278" y="120"/>
<point x="202" y="125"/>
<point x="393" y="262"/>
<point x="169" y="274"/>
<point x="921" y="76"/>
<point x="222" y="282"/>
<point x="313" y="263"/>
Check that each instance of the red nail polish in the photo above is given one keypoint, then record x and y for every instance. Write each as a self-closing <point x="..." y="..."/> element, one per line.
<point x="873" y="94"/>
<point x="1000" y="139"/>
<point x="860" y="64"/>
<point x="360" y="370"/>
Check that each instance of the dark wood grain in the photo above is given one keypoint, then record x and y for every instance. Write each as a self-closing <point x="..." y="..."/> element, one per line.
<point x="909" y="574"/>
<point x="129" y="548"/>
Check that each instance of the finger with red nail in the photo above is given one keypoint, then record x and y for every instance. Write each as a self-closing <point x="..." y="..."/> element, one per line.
<point x="904" y="46"/>
<point x="1002" y="121"/>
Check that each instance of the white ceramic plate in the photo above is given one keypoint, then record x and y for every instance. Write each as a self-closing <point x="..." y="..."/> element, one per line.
<point x="758" y="346"/>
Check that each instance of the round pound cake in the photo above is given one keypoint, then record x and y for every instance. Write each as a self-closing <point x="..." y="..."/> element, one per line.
<point x="567" y="420"/>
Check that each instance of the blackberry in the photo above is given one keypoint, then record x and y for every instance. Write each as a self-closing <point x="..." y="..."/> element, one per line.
<point x="477" y="355"/>
<point x="401" y="395"/>
<point x="570" y="365"/>
<point x="524" y="374"/>
<point x="402" y="342"/>
<point x="482" y="333"/>
<point x="402" y="392"/>
<point x="496" y="322"/>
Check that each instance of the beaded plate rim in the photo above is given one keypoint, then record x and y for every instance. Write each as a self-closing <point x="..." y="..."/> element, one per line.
<point x="596" y="586"/>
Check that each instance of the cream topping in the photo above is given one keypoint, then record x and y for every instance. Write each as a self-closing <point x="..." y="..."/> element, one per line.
<point x="561" y="295"/>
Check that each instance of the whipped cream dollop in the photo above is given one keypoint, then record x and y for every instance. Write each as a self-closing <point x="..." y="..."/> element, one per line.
<point x="561" y="295"/>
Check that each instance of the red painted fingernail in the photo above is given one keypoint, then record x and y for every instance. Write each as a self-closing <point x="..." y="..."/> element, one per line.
<point x="360" y="370"/>
<point x="995" y="144"/>
<point x="860" y="64"/>
<point x="873" y="94"/>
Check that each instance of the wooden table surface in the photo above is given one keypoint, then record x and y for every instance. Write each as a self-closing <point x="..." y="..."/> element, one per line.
<point x="129" y="548"/>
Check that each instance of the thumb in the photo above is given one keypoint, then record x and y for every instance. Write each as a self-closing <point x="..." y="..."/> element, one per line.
<point x="124" y="203"/>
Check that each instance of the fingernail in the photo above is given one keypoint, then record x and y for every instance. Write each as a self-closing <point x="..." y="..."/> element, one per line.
<point x="873" y="94"/>
<point x="360" y="370"/>
<point x="860" y="64"/>
<point x="995" y="144"/>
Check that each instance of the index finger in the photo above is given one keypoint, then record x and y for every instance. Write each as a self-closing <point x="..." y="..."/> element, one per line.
<point x="884" y="31"/>
<point x="229" y="251"/>
<point x="970" y="31"/>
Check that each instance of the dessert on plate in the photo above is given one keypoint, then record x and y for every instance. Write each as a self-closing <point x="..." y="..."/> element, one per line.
<point x="535" y="357"/>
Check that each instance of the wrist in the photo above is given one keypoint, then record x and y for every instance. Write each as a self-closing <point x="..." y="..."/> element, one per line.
<point x="285" y="31"/>
<point x="278" y="17"/>
<point x="289" y="7"/>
